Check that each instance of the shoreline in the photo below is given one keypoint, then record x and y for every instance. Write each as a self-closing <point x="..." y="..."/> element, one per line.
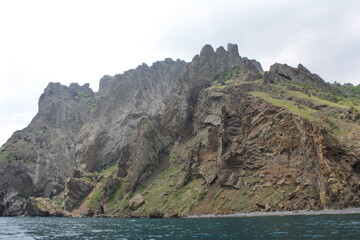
<point x="344" y="211"/>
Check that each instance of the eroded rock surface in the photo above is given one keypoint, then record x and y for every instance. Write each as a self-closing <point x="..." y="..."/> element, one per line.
<point x="76" y="190"/>
<point x="37" y="160"/>
<point x="216" y="135"/>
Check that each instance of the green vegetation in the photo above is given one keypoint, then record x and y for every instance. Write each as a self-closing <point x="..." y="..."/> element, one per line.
<point x="314" y="105"/>
<point x="116" y="201"/>
<point x="86" y="178"/>
<point x="95" y="197"/>
<point x="231" y="78"/>
<point x="162" y="194"/>
<point x="313" y="192"/>
<point x="289" y="105"/>
<point x="315" y="99"/>
<point x="108" y="169"/>
<point x="354" y="91"/>
<point x="235" y="73"/>
<point x="81" y="96"/>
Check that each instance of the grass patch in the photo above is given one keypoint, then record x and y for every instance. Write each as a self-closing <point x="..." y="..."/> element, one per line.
<point x="109" y="169"/>
<point x="95" y="197"/>
<point x="163" y="197"/>
<point x="117" y="201"/>
<point x="86" y="178"/>
<point x="344" y="104"/>
<point x="162" y="194"/>
<point x="291" y="106"/>
<point x="313" y="192"/>
<point x="158" y="193"/>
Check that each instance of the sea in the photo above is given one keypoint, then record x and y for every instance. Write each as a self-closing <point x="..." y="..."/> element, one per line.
<point x="273" y="227"/>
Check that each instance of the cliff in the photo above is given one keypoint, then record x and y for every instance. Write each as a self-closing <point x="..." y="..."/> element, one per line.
<point x="216" y="135"/>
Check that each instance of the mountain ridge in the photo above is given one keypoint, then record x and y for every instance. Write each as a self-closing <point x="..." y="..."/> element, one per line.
<point x="216" y="135"/>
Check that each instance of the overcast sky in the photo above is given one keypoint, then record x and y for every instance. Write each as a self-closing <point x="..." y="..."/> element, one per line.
<point x="82" y="40"/>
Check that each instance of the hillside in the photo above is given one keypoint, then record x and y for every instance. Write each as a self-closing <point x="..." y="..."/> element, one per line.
<point x="215" y="135"/>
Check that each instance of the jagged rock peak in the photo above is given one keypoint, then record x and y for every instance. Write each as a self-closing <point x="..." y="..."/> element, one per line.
<point x="109" y="82"/>
<point x="233" y="49"/>
<point x="302" y="68"/>
<point x="220" y="50"/>
<point x="206" y="51"/>
<point x="57" y="85"/>
<point x="72" y="89"/>
<point x="300" y="75"/>
<point x="142" y="66"/>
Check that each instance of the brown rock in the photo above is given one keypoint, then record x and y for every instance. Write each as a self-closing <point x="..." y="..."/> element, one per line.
<point x="156" y="214"/>
<point x="136" y="202"/>
<point x="171" y="214"/>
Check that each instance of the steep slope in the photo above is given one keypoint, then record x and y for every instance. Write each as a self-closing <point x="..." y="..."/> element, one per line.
<point x="123" y="100"/>
<point x="216" y="135"/>
<point x="157" y="134"/>
<point x="250" y="145"/>
<point x="36" y="160"/>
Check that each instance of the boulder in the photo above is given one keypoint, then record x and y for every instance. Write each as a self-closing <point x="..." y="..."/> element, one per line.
<point x="44" y="207"/>
<point x="136" y="202"/>
<point x="171" y="214"/>
<point x="156" y="214"/>
<point x="16" y="207"/>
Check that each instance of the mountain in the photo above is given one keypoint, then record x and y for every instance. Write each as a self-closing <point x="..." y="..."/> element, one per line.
<point x="215" y="135"/>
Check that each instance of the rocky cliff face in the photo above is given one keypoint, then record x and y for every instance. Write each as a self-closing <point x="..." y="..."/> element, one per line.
<point x="123" y="100"/>
<point x="36" y="160"/>
<point x="216" y="135"/>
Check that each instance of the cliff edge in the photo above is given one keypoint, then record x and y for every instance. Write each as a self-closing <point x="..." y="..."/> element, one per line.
<point x="215" y="135"/>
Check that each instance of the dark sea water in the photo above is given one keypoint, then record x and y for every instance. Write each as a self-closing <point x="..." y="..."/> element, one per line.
<point x="286" y="227"/>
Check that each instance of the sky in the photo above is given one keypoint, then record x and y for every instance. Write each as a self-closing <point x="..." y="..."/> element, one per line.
<point x="67" y="41"/>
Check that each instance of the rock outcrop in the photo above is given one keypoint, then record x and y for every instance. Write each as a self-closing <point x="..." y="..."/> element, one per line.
<point x="254" y="138"/>
<point x="216" y="135"/>
<point x="37" y="160"/>
<point x="76" y="190"/>
<point x="300" y="75"/>
<point x="123" y="101"/>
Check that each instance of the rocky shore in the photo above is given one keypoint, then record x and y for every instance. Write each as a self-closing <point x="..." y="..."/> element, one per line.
<point x="282" y="213"/>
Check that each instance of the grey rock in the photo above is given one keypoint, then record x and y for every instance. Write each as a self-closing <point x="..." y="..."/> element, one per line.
<point x="41" y="156"/>
<point x="2" y="209"/>
<point x="233" y="49"/>
<point x="16" y="207"/>
<point x="123" y="100"/>
<point x="75" y="191"/>
<point x="212" y="119"/>
<point x="300" y="75"/>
